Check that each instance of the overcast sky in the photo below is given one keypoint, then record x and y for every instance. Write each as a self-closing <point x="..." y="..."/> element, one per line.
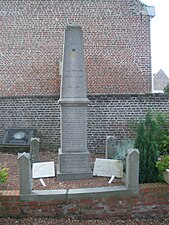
<point x="160" y="35"/>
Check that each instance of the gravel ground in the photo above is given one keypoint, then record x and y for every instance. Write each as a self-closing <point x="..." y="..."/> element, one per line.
<point x="52" y="221"/>
<point x="10" y="161"/>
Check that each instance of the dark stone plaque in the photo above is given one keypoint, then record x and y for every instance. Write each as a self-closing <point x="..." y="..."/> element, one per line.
<point x="19" y="137"/>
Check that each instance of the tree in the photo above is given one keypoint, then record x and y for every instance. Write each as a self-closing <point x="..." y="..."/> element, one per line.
<point x="146" y="144"/>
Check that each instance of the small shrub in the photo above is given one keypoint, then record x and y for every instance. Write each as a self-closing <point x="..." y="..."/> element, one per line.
<point x="3" y="174"/>
<point x="122" y="148"/>
<point x="163" y="163"/>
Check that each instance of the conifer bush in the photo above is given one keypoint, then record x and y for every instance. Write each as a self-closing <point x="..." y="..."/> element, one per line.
<point x="146" y="144"/>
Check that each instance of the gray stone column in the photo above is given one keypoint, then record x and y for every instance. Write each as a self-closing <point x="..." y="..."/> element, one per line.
<point x="132" y="170"/>
<point x="110" y="147"/>
<point x="34" y="150"/>
<point x="25" y="177"/>
<point x="73" y="155"/>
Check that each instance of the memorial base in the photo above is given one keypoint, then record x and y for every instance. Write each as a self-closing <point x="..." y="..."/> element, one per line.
<point x="73" y="166"/>
<point x="73" y="176"/>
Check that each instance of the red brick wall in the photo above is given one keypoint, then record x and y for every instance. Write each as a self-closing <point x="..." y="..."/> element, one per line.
<point x="153" y="201"/>
<point x="116" y="42"/>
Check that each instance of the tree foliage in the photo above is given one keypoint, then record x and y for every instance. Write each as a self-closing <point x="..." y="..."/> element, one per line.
<point x="162" y="135"/>
<point x="146" y="144"/>
<point x="166" y="89"/>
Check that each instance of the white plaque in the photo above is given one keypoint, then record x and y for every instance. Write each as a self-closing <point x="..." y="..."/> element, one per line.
<point x="108" y="168"/>
<point x="43" y="169"/>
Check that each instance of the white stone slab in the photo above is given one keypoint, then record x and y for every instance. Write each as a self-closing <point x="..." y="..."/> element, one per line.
<point x="108" y="168"/>
<point x="43" y="169"/>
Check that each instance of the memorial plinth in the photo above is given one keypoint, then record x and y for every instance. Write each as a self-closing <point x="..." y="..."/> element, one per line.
<point x="73" y="155"/>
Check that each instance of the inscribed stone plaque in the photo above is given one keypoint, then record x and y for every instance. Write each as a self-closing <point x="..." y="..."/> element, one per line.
<point x="19" y="137"/>
<point x="108" y="167"/>
<point x="43" y="169"/>
<point x="74" y="126"/>
<point x="75" y="162"/>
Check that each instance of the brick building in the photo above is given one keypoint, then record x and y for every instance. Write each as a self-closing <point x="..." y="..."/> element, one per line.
<point x="117" y="58"/>
<point x="116" y="43"/>
<point x="160" y="81"/>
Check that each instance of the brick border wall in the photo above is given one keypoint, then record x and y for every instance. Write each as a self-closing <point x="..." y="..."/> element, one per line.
<point x="152" y="201"/>
<point x="107" y="115"/>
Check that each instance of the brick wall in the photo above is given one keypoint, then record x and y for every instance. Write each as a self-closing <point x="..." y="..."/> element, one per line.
<point x="116" y="44"/>
<point x="152" y="201"/>
<point x="107" y="115"/>
<point x="41" y="113"/>
<point x="114" y="115"/>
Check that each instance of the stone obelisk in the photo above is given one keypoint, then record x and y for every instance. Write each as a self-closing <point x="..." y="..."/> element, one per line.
<point x="73" y="155"/>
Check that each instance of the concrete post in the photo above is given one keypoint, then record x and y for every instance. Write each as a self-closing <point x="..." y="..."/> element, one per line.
<point x="132" y="170"/>
<point x="110" y="147"/>
<point x="25" y="179"/>
<point x="34" y="150"/>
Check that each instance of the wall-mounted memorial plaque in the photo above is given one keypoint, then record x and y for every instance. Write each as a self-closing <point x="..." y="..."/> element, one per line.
<point x="18" y="136"/>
